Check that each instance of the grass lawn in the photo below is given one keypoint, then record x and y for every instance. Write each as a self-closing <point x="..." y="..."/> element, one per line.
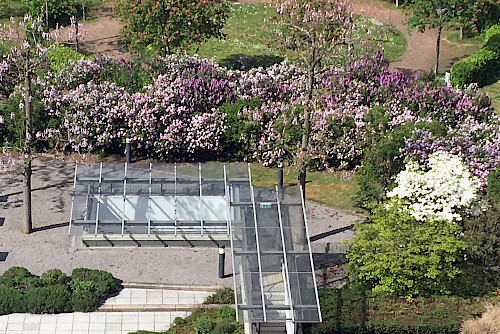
<point x="245" y="35"/>
<point x="493" y="91"/>
<point x="10" y="8"/>
<point x="329" y="188"/>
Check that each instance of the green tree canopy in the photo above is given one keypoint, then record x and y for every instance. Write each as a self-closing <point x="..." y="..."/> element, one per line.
<point x="168" y="25"/>
<point x="402" y="256"/>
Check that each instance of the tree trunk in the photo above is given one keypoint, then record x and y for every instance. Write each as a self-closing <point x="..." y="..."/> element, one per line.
<point x="28" y="222"/>
<point x="307" y="128"/>
<point x="76" y="36"/>
<point x="461" y="31"/>
<point x="438" y="44"/>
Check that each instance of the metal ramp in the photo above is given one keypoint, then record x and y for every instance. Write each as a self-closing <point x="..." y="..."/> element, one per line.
<point x="211" y="204"/>
<point x="273" y="268"/>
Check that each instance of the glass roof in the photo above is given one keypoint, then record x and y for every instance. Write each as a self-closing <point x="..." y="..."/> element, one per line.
<point x="272" y="262"/>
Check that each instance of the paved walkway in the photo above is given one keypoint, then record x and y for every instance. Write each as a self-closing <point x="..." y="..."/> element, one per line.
<point x="111" y="322"/>
<point x="87" y="323"/>
<point x="134" y="296"/>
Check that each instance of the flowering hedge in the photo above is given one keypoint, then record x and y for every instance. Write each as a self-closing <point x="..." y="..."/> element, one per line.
<point x="177" y="109"/>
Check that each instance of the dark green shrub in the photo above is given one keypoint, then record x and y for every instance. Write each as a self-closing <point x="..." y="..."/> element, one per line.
<point x="483" y="66"/>
<point x="179" y="321"/>
<point x="48" y="299"/>
<point x="226" y="312"/>
<point x="239" y="127"/>
<point x="204" y="324"/>
<point x="353" y="309"/>
<point x="19" y="278"/>
<point x="104" y="282"/>
<point x="84" y="297"/>
<point x="224" y="326"/>
<point x="54" y="276"/>
<point x="222" y="296"/>
<point x="492" y="37"/>
<point x="16" y="273"/>
<point x="11" y="300"/>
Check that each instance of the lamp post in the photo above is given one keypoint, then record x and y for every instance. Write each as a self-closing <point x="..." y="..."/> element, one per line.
<point x="280" y="172"/>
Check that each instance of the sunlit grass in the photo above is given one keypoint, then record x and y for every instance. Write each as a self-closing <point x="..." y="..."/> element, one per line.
<point x="493" y="91"/>
<point x="245" y="34"/>
<point x="330" y="188"/>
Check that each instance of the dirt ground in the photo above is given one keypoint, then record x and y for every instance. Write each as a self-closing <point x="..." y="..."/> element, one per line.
<point x="103" y="36"/>
<point x="50" y="246"/>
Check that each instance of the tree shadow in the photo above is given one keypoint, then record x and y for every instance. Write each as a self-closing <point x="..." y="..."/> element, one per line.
<point x="244" y="62"/>
<point x="56" y="185"/>
<point x="49" y="227"/>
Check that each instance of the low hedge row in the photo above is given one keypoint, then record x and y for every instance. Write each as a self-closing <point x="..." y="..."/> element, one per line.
<point x="483" y="66"/>
<point x="352" y="310"/>
<point x="54" y="291"/>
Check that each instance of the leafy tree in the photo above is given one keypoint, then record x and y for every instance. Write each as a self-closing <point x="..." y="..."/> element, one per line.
<point x="56" y="9"/>
<point x="426" y="14"/>
<point x="314" y="30"/>
<point x="475" y="16"/>
<point x="167" y="25"/>
<point x="24" y="61"/>
<point x="399" y="255"/>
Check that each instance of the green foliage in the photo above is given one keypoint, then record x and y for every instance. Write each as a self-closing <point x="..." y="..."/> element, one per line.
<point x="48" y="299"/>
<point x="19" y="278"/>
<point x="224" y="326"/>
<point x="481" y="68"/>
<point x="179" y="321"/>
<point x="226" y="312"/>
<point x="105" y="283"/>
<point x="60" y="56"/>
<point x="204" y="324"/>
<point x="85" y="297"/>
<point x="492" y="37"/>
<point x="17" y="273"/>
<point x="127" y="74"/>
<point x="239" y="127"/>
<point x="59" y="10"/>
<point x="401" y="256"/>
<point x="15" y="118"/>
<point x="222" y="296"/>
<point x="54" y="276"/>
<point x="54" y="292"/>
<point x="423" y="14"/>
<point x="12" y="8"/>
<point x="166" y="26"/>
<point x="353" y="309"/>
<point x="12" y="300"/>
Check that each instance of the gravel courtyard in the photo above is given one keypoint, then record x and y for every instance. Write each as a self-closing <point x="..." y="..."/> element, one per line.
<point x="49" y="246"/>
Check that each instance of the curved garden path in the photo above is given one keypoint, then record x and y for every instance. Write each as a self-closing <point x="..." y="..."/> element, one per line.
<point x="103" y="36"/>
<point x="421" y="47"/>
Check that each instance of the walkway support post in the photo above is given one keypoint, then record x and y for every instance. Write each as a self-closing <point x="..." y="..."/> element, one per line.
<point x="128" y="150"/>
<point x="222" y="259"/>
<point x="280" y="172"/>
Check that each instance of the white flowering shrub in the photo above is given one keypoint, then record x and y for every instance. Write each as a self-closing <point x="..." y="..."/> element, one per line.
<point x="439" y="190"/>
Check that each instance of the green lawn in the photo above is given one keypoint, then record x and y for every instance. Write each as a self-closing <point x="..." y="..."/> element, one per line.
<point x="10" y="8"/>
<point x="245" y="35"/>
<point x="494" y="92"/>
<point x="329" y="188"/>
